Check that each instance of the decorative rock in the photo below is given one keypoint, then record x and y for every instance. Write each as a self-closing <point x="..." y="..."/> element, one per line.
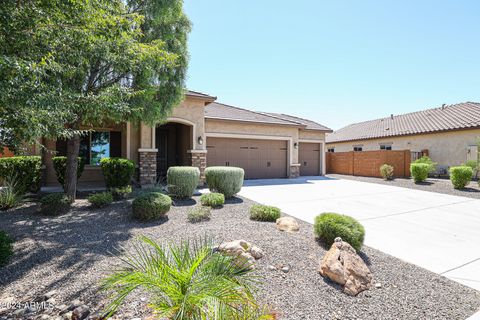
<point x="244" y="251"/>
<point x="271" y="268"/>
<point x="285" y="269"/>
<point x="378" y="285"/>
<point x="287" y="224"/>
<point x="342" y="265"/>
<point x="80" y="313"/>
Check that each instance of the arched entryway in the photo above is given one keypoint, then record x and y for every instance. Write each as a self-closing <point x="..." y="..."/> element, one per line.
<point x="173" y="140"/>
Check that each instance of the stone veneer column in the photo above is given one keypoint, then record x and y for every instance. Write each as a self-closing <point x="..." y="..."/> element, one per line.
<point x="199" y="159"/>
<point x="148" y="166"/>
<point x="294" y="171"/>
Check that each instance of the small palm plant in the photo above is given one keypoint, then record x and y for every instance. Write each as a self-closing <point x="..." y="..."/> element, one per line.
<point x="186" y="281"/>
<point x="9" y="195"/>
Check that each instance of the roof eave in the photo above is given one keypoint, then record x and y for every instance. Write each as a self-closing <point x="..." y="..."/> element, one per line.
<point x="253" y="121"/>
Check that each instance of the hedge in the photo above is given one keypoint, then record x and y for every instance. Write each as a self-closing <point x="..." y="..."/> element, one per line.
<point x="225" y="180"/>
<point x="328" y="226"/>
<point x="26" y="171"/>
<point x="118" y="172"/>
<point x="182" y="181"/>
<point x="60" y="166"/>
<point x="461" y="176"/>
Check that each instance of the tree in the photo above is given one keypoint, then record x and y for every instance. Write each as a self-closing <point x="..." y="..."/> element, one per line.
<point x="70" y="65"/>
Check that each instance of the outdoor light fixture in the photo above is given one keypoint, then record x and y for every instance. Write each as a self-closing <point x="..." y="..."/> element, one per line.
<point x="200" y="140"/>
<point x="295" y="145"/>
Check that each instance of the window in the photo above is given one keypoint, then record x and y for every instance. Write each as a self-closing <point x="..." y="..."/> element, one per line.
<point x="331" y="150"/>
<point x="385" y="147"/>
<point x="96" y="145"/>
<point x="357" y="148"/>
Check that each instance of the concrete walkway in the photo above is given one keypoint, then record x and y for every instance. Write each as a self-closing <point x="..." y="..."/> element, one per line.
<point x="438" y="232"/>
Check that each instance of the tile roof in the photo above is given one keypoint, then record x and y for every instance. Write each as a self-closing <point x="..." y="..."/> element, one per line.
<point x="199" y="95"/>
<point x="446" y="118"/>
<point x="309" y="124"/>
<point x="222" y="111"/>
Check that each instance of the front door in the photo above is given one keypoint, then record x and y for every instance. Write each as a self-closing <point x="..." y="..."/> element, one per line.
<point x="162" y="146"/>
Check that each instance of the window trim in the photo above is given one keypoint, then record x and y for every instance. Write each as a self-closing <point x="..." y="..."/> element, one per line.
<point x="358" y="146"/>
<point x="384" y="146"/>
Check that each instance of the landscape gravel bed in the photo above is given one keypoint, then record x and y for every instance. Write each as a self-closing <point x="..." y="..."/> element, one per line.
<point x="472" y="190"/>
<point x="71" y="253"/>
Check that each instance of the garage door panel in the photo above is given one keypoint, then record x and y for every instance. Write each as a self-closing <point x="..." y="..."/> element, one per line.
<point x="259" y="158"/>
<point x="309" y="159"/>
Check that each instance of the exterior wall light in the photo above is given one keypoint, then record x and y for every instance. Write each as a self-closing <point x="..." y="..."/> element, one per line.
<point x="200" y="140"/>
<point x="295" y="145"/>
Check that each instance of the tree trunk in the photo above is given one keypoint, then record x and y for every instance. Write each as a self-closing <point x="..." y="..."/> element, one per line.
<point x="73" y="149"/>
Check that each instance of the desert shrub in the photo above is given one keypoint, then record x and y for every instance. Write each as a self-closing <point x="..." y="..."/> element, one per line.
<point x="6" y="248"/>
<point x="27" y="171"/>
<point x="198" y="214"/>
<point x="432" y="166"/>
<point x="121" y="193"/>
<point x="182" y="181"/>
<point x="386" y="171"/>
<point x="474" y="165"/>
<point x="117" y="172"/>
<point x="60" y="166"/>
<point x="100" y="200"/>
<point x="54" y="204"/>
<point x="262" y="212"/>
<point x="328" y="226"/>
<point x="419" y="171"/>
<point x="212" y="199"/>
<point x="151" y="205"/>
<point x="186" y="280"/>
<point x="460" y="176"/>
<point x="9" y="194"/>
<point x="225" y="180"/>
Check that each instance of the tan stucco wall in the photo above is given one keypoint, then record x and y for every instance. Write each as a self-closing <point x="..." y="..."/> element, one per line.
<point x="311" y="135"/>
<point x="447" y="148"/>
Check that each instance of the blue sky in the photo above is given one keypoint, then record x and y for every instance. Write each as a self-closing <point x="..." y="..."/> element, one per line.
<point x="335" y="62"/>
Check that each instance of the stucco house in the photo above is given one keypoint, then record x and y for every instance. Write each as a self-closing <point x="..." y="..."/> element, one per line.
<point x="449" y="134"/>
<point x="201" y="132"/>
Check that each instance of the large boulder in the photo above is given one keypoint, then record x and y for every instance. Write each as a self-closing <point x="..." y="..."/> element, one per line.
<point x="344" y="266"/>
<point x="244" y="252"/>
<point x="287" y="224"/>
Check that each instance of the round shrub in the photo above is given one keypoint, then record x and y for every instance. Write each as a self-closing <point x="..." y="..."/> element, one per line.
<point x="182" y="181"/>
<point x="121" y="193"/>
<point x="328" y="226"/>
<point x="100" y="200"/>
<point x="6" y="248"/>
<point x="151" y="205"/>
<point x="386" y="171"/>
<point x="60" y="166"/>
<point x="26" y="170"/>
<point x="118" y="172"/>
<point x="461" y="176"/>
<point x="432" y="166"/>
<point x="212" y="199"/>
<point x="419" y="171"/>
<point x="225" y="180"/>
<point x="54" y="204"/>
<point x="198" y="214"/>
<point x="261" y="212"/>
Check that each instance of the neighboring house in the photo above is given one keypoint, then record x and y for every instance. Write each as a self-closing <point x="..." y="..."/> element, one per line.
<point x="449" y="133"/>
<point x="201" y="132"/>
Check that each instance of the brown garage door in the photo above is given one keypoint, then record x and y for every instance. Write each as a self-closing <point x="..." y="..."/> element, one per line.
<point x="261" y="159"/>
<point x="309" y="159"/>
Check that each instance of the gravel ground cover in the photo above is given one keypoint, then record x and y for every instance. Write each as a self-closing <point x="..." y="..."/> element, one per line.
<point x="71" y="253"/>
<point x="445" y="186"/>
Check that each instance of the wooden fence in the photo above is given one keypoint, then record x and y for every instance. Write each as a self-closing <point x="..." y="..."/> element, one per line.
<point x="367" y="163"/>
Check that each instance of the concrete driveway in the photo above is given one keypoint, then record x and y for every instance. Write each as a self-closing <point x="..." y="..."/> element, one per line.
<point x="438" y="232"/>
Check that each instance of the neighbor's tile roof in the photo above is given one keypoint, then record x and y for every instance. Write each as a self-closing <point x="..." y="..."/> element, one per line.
<point x="309" y="124"/>
<point x="222" y="111"/>
<point x="453" y="117"/>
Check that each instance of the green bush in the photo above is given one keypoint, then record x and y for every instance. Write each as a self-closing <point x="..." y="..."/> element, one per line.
<point x="152" y="205"/>
<point x="225" y="180"/>
<point x="100" y="200"/>
<point x="261" y="212"/>
<point x="182" y="181"/>
<point x="460" y="176"/>
<point x="54" y="204"/>
<point x="419" y="171"/>
<point x="60" y="166"/>
<point x="118" y="172"/>
<point x="474" y="165"/>
<point x="386" y="172"/>
<point x="212" y="199"/>
<point x="121" y="193"/>
<point x="198" y="214"/>
<point x="9" y="195"/>
<point x="27" y="171"/>
<point x="328" y="226"/>
<point x="432" y="166"/>
<point x="6" y="248"/>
